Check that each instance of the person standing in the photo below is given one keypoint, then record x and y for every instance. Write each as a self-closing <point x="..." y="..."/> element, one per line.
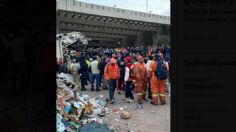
<point x="88" y="73"/>
<point x="64" y="68"/>
<point x="75" y="71"/>
<point x="112" y="73"/>
<point x="60" y="65"/>
<point x="83" y="71"/>
<point x="162" y="75"/>
<point x="140" y="75"/>
<point x="95" y="74"/>
<point x="153" y="81"/>
<point x="128" y="80"/>
<point x="122" y="74"/>
<point x="69" y="66"/>
<point x="149" y="82"/>
<point x="102" y="67"/>
<point x="167" y="60"/>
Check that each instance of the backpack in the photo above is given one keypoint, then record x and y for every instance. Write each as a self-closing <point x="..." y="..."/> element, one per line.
<point x="161" y="72"/>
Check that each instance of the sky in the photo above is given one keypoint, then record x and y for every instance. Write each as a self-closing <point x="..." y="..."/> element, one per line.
<point x="160" y="7"/>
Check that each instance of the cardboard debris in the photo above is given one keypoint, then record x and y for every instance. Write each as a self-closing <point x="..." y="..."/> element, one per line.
<point x="89" y="109"/>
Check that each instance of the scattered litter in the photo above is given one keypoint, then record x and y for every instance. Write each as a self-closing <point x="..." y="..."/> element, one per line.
<point x="74" y="124"/>
<point x="76" y="111"/>
<point x="125" y="115"/>
<point x="97" y="111"/>
<point x="121" y="108"/>
<point x="114" y="110"/>
<point x="117" y="120"/>
<point x="94" y="127"/>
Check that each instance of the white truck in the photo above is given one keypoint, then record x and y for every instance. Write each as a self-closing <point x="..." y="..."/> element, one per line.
<point x="66" y="39"/>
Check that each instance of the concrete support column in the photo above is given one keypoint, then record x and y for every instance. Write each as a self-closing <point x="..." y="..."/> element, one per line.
<point x="131" y="40"/>
<point x="139" y="39"/>
<point x="154" y="36"/>
<point x="158" y="33"/>
<point x="160" y="30"/>
<point x="57" y="27"/>
<point x="124" y="41"/>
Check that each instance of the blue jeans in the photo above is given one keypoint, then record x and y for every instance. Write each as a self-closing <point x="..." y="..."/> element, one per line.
<point x="101" y="76"/>
<point x="97" y="77"/>
<point x="112" y="87"/>
<point x="128" y="90"/>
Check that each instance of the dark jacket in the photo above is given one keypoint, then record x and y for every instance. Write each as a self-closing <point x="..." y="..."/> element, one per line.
<point x="122" y="70"/>
<point x="101" y="66"/>
<point x="64" y="68"/>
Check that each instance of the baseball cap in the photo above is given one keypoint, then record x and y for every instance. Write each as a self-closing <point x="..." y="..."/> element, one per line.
<point x="128" y="59"/>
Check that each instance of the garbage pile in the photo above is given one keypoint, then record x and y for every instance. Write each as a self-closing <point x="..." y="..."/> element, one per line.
<point x="75" y="109"/>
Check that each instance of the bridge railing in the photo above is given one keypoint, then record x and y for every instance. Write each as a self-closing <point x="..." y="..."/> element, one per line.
<point x="87" y="8"/>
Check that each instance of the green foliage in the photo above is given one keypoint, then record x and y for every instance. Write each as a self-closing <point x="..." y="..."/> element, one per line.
<point x="163" y="41"/>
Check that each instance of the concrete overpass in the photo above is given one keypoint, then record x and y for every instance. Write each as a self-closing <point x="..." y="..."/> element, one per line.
<point x="109" y="26"/>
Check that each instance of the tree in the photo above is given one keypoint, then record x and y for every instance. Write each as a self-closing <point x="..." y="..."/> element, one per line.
<point x="163" y="41"/>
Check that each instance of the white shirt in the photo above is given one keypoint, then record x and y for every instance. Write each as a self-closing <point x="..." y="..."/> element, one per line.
<point x="126" y="74"/>
<point x="75" y="67"/>
<point x="148" y="63"/>
<point x="167" y="65"/>
<point x="94" y="67"/>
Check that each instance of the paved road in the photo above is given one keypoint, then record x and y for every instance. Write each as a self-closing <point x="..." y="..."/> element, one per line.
<point x="150" y="119"/>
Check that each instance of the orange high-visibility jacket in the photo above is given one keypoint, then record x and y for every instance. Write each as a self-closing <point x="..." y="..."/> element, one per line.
<point x="140" y="71"/>
<point x="151" y="70"/>
<point x="111" y="72"/>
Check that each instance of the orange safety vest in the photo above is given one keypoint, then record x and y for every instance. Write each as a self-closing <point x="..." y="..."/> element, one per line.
<point x="152" y="69"/>
<point x="111" y="72"/>
<point x="140" y="71"/>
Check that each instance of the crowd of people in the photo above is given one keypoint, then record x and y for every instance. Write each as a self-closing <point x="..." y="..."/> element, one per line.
<point x="144" y="70"/>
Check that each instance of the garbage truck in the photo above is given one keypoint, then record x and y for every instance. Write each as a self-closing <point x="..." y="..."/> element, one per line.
<point x="72" y="40"/>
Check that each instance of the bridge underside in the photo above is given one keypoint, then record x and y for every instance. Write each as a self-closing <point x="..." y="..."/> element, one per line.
<point x="110" y="32"/>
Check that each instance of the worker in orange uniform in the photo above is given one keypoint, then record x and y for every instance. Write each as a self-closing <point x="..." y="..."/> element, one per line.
<point x="161" y="74"/>
<point x="153" y="81"/>
<point x="111" y="74"/>
<point x="140" y="75"/>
